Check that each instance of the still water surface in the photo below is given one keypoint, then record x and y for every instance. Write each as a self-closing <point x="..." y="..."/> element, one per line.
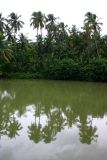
<point x="53" y="120"/>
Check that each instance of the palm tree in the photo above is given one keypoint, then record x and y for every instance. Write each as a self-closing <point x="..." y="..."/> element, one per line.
<point x="51" y="28"/>
<point x="37" y="21"/>
<point x="50" y="24"/>
<point x="23" y="41"/>
<point x="92" y="28"/>
<point x="92" y="22"/>
<point x="15" y="23"/>
<point x="2" y="23"/>
<point x="8" y="34"/>
<point x="5" y="51"/>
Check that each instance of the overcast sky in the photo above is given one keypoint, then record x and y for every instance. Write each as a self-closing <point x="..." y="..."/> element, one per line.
<point x="70" y="11"/>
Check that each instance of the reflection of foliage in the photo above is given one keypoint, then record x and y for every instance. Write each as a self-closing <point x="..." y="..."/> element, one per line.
<point x="8" y="124"/>
<point x="57" y="118"/>
<point x="38" y="109"/>
<point x="13" y="128"/>
<point x="70" y="116"/>
<point x="48" y="134"/>
<point x="4" y="119"/>
<point x="34" y="132"/>
<point x="87" y="133"/>
<point x="55" y="125"/>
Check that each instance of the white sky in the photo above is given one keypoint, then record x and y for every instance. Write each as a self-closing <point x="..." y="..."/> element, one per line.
<point x="69" y="11"/>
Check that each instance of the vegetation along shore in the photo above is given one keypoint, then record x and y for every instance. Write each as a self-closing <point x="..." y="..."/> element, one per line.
<point x="58" y="51"/>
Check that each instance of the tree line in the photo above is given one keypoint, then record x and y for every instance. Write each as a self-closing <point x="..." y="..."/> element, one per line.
<point x="63" y="53"/>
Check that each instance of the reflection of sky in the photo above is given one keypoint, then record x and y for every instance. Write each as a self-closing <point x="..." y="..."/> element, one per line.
<point x="67" y="145"/>
<point x="7" y="95"/>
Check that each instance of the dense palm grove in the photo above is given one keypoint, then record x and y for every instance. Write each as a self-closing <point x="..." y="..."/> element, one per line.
<point x="63" y="53"/>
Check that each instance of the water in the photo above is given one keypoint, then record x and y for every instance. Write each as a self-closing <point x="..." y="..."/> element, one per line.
<point x="53" y="120"/>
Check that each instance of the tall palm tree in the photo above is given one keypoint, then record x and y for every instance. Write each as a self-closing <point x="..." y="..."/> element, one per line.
<point x="61" y="31"/>
<point x="23" y="41"/>
<point x="2" y="23"/>
<point x="37" y="21"/>
<point x="92" y="22"/>
<point x="8" y="34"/>
<point x="5" y="51"/>
<point x="92" y="28"/>
<point x="50" y="24"/>
<point x="15" y="23"/>
<point x="51" y="28"/>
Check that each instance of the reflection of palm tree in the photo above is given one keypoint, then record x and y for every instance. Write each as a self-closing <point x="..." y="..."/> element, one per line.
<point x="35" y="129"/>
<point x="13" y="128"/>
<point x="2" y="123"/>
<point x="55" y="125"/>
<point x="70" y="116"/>
<point x="35" y="132"/>
<point x="48" y="133"/>
<point x="58" y="120"/>
<point x="87" y="133"/>
<point x="38" y="110"/>
<point x="5" y="111"/>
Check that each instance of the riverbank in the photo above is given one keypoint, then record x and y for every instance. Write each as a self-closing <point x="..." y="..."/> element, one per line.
<point x="65" y="70"/>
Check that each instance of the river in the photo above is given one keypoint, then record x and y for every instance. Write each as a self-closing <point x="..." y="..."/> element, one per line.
<point x="53" y="120"/>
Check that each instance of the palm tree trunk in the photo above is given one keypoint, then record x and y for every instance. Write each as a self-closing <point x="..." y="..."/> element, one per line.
<point x="41" y="31"/>
<point x="96" y="47"/>
<point x="37" y="34"/>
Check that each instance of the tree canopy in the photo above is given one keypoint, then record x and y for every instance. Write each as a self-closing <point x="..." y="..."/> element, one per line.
<point x="62" y="53"/>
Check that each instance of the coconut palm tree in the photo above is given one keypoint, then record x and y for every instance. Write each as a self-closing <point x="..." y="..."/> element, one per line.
<point x="5" y="51"/>
<point x="15" y="23"/>
<point x="8" y="34"/>
<point x="37" y="21"/>
<point x="50" y="24"/>
<point x="92" y="23"/>
<point x="23" y="41"/>
<point x="92" y="28"/>
<point x="2" y="23"/>
<point x="51" y="28"/>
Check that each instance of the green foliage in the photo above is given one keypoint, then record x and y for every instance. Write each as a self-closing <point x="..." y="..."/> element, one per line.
<point x="98" y="70"/>
<point x="22" y="75"/>
<point x="64" y="53"/>
<point x="64" y="69"/>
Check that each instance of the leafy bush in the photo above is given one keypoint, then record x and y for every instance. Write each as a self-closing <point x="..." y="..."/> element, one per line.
<point x="98" y="70"/>
<point x="65" y="69"/>
<point x="22" y="75"/>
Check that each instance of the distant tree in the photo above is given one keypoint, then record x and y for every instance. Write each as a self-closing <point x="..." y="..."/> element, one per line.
<point x="15" y="23"/>
<point x="38" y="21"/>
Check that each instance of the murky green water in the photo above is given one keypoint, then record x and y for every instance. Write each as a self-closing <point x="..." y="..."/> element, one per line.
<point x="53" y="120"/>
